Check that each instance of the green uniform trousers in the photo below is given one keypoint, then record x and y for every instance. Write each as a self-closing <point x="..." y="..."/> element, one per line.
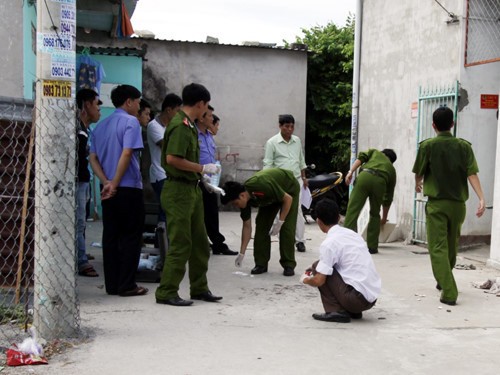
<point x="188" y="242"/>
<point x="444" y="219"/>
<point x="372" y="187"/>
<point x="262" y="241"/>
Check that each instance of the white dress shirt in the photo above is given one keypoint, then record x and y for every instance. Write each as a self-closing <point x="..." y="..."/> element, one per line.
<point x="346" y="251"/>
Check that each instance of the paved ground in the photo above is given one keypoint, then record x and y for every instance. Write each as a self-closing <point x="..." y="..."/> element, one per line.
<point x="264" y="326"/>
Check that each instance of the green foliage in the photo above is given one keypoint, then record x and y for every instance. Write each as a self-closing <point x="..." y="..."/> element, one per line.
<point x="13" y="314"/>
<point x="329" y="95"/>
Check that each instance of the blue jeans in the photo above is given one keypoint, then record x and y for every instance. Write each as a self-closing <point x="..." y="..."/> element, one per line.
<point x="81" y="201"/>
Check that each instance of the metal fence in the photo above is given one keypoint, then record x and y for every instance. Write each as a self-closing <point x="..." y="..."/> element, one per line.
<point x="482" y="32"/>
<point x="37" y="220"/>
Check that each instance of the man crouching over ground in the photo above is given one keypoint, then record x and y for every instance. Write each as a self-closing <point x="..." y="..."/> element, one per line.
<point x="344" y="274"/>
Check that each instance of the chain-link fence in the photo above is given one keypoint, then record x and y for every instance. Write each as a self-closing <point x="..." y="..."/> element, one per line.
<point x="37" y="220"/>
<point x="483" y="32"/>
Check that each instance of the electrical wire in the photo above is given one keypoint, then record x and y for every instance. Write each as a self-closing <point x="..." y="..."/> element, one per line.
<point x="54" y="27"/>
<point x="452" y="15"/>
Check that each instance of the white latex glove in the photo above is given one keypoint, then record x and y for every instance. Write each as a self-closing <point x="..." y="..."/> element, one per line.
<point x="239" y="260"/>
<point x="275" y="229"/>
<point x="205" y="180"/>
<point x="210" y="169"/>
<point x="304" y="276"/>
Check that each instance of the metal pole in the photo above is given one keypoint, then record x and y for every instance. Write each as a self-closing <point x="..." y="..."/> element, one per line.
<point x="55" y="307"/>
<point x="355" y="82"/>
<point x="494" y="260"/>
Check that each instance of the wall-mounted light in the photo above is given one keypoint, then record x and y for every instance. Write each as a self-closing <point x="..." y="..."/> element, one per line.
<point x="87" y="30"/>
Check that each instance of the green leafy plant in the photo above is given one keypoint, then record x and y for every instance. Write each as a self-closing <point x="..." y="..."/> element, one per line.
<point x="329" y="95"/>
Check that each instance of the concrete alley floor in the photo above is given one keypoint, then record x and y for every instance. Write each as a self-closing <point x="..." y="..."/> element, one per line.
<point x="264" y="325"/>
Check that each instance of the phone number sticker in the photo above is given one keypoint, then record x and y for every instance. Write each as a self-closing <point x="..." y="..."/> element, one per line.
<point x="62" y="70"/>
<point x="52" y="42"/>
<point x="56" y="89"/>
<point x="68" y="13"/>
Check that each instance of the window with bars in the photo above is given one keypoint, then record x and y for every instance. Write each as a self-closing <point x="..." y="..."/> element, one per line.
<point x="482" y="41"/>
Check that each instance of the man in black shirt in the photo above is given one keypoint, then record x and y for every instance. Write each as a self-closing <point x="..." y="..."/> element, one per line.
<point x="89" y="112"/>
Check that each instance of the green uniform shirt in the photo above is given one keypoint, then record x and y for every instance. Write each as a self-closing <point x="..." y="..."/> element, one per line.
<point x="377" y="161"/>
<point x="445" y="162"/>
<point x="181" y="139"/>
<point x="267" y="187"/>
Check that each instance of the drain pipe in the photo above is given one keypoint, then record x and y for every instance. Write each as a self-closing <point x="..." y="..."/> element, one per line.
<point x="355" y="82"/>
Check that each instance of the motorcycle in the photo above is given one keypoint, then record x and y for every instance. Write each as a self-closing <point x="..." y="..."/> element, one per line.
<point x="322" y="186"/>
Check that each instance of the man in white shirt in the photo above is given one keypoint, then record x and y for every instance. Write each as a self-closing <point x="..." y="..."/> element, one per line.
<point x="155" y="131"/>
<point x="345" y="273"/>
<point x="284" y="150"/>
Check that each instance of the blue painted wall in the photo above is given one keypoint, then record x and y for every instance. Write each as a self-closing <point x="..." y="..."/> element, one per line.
<point x="29" y="57"/>
<point x="118" y="70"/>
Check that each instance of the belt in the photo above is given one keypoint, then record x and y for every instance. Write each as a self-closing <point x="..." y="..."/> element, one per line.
<point x="184" y="180"/>
<point x="372" y="171"/>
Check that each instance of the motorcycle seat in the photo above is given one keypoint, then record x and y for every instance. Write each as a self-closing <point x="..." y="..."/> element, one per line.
<point x="322" y="180"/>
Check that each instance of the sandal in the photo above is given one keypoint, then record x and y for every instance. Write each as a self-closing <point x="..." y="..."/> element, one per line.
<point x="88" y="271"/>
<point x="137" y="291"/>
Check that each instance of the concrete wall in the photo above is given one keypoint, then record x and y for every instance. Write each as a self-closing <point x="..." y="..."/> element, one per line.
<point x="11" y="45"/>
<point x="406" y="45"/>
<point x="249" y="88"/>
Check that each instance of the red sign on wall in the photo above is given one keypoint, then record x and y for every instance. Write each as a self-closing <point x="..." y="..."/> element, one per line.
<point x="489" y="101"/>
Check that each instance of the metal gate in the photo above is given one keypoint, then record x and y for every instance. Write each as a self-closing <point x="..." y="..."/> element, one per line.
<point x="428" y="100"/>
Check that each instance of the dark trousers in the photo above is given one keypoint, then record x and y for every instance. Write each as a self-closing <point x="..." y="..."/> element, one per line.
<point x="123" y="223"/>
<point x="158" y="187"/>
<point x="336" y="295"/>
<point x="211" y="210"/>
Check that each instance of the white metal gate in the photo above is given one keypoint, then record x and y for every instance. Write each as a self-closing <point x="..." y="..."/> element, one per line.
<point x="428" y="101"/>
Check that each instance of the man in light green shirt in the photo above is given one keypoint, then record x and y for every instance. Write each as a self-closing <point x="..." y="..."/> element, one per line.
<point x="284" y="150"/>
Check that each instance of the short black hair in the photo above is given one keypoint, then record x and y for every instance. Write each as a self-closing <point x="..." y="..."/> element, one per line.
<point x="286" y="119"/>
<point x="85" y="95"/>
<point x="144" y="104"/>
<point x="120" y="94"/>
<point x="443" y="118"/>
<point x="389" y="152"/>
<point x="194" y="93"/>
<point x="232" y="190"/>
<point x="171" y="101"/>
<point x="327" y="211"/>
<point x="216" y="119"/>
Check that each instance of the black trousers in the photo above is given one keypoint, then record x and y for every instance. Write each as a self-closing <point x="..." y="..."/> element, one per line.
<point x="123" y="225"/>
<point x="211" y="210"/>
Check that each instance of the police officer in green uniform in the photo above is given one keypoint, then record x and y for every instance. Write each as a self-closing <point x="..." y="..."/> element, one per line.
<point x="444" y="164"/>
<point x="376" y="182"/>
<point x="181" y="198"/>
<point x="271" y="190"/>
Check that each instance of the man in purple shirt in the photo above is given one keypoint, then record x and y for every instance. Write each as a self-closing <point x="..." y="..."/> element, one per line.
<point x="114" y="149"/>
<point x="210" y="202"/>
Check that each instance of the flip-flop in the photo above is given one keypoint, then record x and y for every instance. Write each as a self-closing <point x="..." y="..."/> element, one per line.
<point x="88" y="271"/>
<point x="138" y="291"/>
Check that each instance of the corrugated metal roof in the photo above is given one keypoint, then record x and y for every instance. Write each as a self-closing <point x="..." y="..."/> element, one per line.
<point x="250" y="44"/>
<point x="113" y="51"/>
